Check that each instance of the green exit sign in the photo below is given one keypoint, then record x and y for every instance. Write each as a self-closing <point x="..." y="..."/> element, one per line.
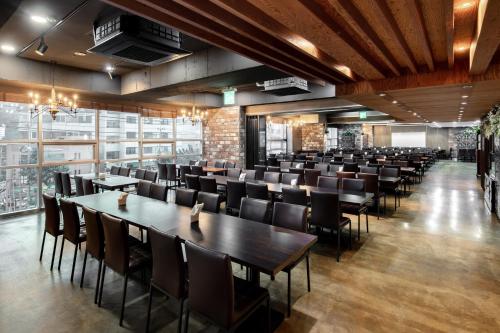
<point x="362" y="114"/>
<point x="229" y="97"/>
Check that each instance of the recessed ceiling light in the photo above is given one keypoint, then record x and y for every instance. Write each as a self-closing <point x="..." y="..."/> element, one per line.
<point x="8" y="48"/>
<point x="382" y="94"/>
<point x="39" y="19"/>
<point x="80" y="54"/>
<point x="467" y="86"/>
<point x="465" y="96"/>
<point x="463" y="103"/>
<point x="109" y="68"/>
<point x="394" y="102"/>
<point x="414" y="113"/>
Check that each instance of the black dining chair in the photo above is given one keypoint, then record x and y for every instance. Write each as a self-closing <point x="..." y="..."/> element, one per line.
<point x="79" y="186"/>
<point x="88" y="186"/>
<point x="357" y="185"/>
<point x="259" y="171"/>
<point x="292" y="217"/>
<point x="66" y="185"/>
<point x="162" y="172"/>
<point x="272" y="177"/>
<point x="273" y="169"/>
<point x="151" y="176"/>
<point x="311" y="176"/>
<point x="140" y="173"/>
<point x="372" y="186"/>
<point x="366" y="169"/>
<point x="391" y="187"/>
<point x="328" y="182"/>
<point x="233" y="173"/>
<point x="144" y="188"/>
<point x="219" y="164"/>
<point x="183" y="171"/>
<point x="203" y="163"/>
<point x="185" y="197"/>
<point x="216" y="294"/>
<point x="300" y="172"/>
<point x="235" y="191"/>
<point x="169" y="271"/>
<point x="125" y="172"/>
<point x="257" y="191"/>
<point x="120" y="257"/>
<point x="193" y="182"/>
<point x="211" y="201"/>
<point x="323" y="167"/>
<point x="350" y="167"/>
<point x="255" y="210"/>
<point x="115" y="170"/>
<point x="249" y="174"/>
<point x="229" y="165"/>
<point x="197" y="170"/>
<point x="172" y="179"/>
<point x="286" y="178"/>
<point x="326" y="213"/>
<point x="58" y="187"/>
<point x="95" y="244"/>
<point x="285" y="165"/>
<point x="158" y="192"/>
<point x="208" y="184"/>
<point x="294" y="196"/>
<point x="52" y="223"/>
<point x="73" y="232"/>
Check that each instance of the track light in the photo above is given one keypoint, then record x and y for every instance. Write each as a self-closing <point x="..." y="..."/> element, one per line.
<point x="42" y="48"/>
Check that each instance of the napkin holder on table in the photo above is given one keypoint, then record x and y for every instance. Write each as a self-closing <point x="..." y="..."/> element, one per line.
<point x="242" y="177"/>
<point x="102" y="176"/>
<point x="122" y="199"/>
<point x="195" y="212"/>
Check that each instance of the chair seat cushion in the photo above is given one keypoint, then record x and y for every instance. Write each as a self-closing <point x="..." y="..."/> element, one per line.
<point x="247" y="296"/>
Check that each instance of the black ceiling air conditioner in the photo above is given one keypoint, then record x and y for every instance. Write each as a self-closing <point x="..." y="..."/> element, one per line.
<point x="135" y="39"/>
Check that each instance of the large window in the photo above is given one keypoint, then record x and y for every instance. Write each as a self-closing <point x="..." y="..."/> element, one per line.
<point x="276" y="138"/>
<point x="331" y="138"/>
<point x="33" y="148"/>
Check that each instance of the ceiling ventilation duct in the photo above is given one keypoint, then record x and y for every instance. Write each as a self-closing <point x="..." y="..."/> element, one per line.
<point x="135" y="39"/>
<point x="284" y="87"/>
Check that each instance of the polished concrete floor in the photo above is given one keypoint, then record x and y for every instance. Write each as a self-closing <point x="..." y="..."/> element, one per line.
<point x="431" y="266"/>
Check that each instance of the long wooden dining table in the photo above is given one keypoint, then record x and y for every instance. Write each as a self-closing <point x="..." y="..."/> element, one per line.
<point x="261" y="247"/>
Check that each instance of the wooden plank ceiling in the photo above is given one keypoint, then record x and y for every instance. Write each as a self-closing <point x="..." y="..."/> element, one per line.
<point x="419" y="53"/>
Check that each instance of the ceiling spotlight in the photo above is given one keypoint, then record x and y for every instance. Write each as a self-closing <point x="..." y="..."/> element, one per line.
<point x="414" y="113"/>
<point x="39" y="19"/>
<point x="465" y="96"/>
<point x="463" y="103"/>
<point x="109" y="69"/>
<point x="7" y="48"/>
<point x="80" y="54"/>
<point x="42" y="48"/>
<point x="394" y="102"/>
<point x="382" y="94"/>
<point x="467" y="86"/>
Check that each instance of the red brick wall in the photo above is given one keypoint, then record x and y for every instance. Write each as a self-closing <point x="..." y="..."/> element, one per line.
<point x="313" y="137"/>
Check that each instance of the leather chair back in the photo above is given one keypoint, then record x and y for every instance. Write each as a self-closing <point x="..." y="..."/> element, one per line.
<point x="300" y="172"/>
<point x="185" y="197"/>
<point x="88" y="186"/>
<point x="171" y="170"/>
<point x="162" y="171"/>
<point x="272" y="177"/>
<point x="349" y="184"/>
<point x="233" y="173"/>
<point x="295" y="196"/>
<point x="259" y="171"/>
<point x="115" y="170"/>
<point x="323" y="167"/>
<point x="290" y="216"/>
<point x="169" y="270"/>
<point x="219" y="164"/>
<point x="211" y="201"/>
<point x="52" y="215"/>
<point x="257" y="191"/>
<point x="193" y="182"/>
<point x="235" y="191"/>
<point x="183" y="171"/>
<point x="366" y="169"/>
<point x="311" y="176"/>
<point x="95" y="233"/>
<point x="325" y="209"/>
<point x="58" y="183"/>
<point x="229" y="165"/>
<point x="389" y="172"/>
<point x="158" y="192"/>
<point x="208" y="184"/>
<point x="66" y="184"/>
<point x="371" y="182"/>
<point x="250" y="174"/>
<point x="79" y="186"/>
<point x="116" y="239"/>
<point x="285" y="165"/>
<point x="197" y="170"/>
<point x="273" y="169"/>
<point x="255" y="209"/>
<point x="144" y="188"/>
<point x="203" y="163"/>
<point x="328" y="182"/>
<point x="71" y="221"/>
<point x="211" y="284"/>
<point x="140" y="173"/>
<point x="286" y="178"/>
<point x="151" y="175"/>
<point x="350" y="167"/>
<point x="125" y="172"/>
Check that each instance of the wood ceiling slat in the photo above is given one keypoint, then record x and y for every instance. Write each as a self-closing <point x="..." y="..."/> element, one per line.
<point x="487" y="38"/>
<point x="420" y="31"/>
<point x="450" y="31"/>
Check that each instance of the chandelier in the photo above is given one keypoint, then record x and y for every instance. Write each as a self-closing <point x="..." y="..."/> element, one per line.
<point x="195" y="115"/>
<point x="56" y="103"/>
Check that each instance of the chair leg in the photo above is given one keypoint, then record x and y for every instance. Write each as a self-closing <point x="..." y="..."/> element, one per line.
<point x="289" y="293"/>
<point x="186" y="320"/>
<point x="74" y="262"/>
<point x="53" y="253"/>
<point x="181" y="312"/>
<point x="268" y="315"/>
<point x="308" y="276"/>
<point x="350" y="236"/>
<point x="98" y="280"/>
<point x="123" y="299"/>
<point x="83" y="269"/>
<point x="43" y="244"/>
<point x="60" y="255"/>
<point x="359" y="226"/>
<point x="338" y="244"/>
<point x="102" y="285"/>
<point x="366" y="217"/>
<point x="149" y="306"/>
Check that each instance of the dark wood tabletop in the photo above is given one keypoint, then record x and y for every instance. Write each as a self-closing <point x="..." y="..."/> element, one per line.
<point x="115" y="182"/>
<point x="260" y="246"/>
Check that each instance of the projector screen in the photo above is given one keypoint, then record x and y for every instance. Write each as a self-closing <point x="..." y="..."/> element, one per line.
<point x="408" y="139"/>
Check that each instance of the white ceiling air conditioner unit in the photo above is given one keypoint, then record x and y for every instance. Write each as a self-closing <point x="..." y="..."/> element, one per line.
<point x="284" y="87"/>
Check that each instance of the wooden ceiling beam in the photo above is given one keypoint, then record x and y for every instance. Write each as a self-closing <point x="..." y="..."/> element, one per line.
<point x="362" y="24"/>
<point x="487" y="38"/>
<point x="265" y="40"/>
<point x="210" y="35"/>
<point x="450" y="31"/>
<point x="421" y="32"/>
<point x="262" y="21"/>
<point x="390" y="24"/>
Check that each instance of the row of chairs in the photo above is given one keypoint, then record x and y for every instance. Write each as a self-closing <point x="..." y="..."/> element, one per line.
<point x="119" y="171"/>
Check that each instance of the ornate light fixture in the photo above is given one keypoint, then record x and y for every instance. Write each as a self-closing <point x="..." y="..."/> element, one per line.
<point x="56" y="103"/>
<point x="195" y="115"/>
